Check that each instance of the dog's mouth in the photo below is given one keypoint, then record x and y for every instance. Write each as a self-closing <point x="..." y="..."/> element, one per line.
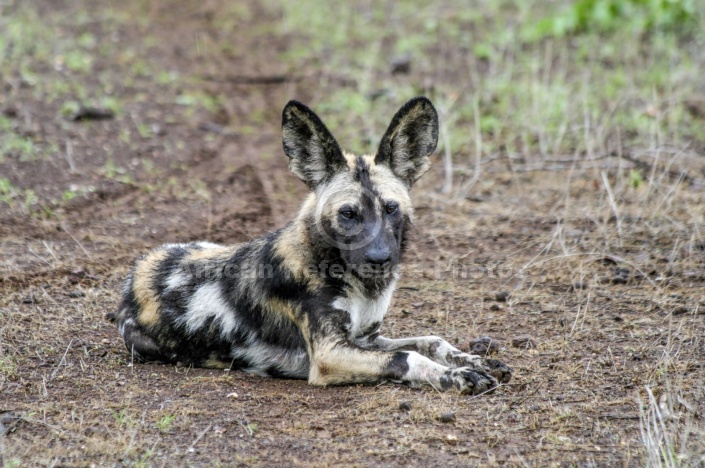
<point x="373" y="272"/>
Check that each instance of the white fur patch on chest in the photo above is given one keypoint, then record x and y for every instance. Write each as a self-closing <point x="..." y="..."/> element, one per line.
<point x="365" y="311"/>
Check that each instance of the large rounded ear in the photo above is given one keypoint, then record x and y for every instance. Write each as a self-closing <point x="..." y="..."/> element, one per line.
<point x="314" y="155"/>
<point x="409" y="141"/>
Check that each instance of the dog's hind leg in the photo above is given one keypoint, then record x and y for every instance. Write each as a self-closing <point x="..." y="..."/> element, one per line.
<point x="140" y="345"/>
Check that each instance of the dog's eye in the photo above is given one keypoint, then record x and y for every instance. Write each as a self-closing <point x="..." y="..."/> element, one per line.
<point x="391" y="207"/>
<point x="347" y="213"/>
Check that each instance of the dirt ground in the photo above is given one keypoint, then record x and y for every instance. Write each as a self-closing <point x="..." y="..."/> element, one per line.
<point x="592" y="307"/>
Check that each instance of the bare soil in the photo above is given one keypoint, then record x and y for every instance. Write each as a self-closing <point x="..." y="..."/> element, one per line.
<point x="588" y="318"/>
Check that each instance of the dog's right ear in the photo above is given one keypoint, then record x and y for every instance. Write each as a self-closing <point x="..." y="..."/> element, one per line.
<point x="314" y="155"/>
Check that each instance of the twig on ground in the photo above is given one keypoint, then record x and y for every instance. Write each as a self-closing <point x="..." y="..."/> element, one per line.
<point x="199" y="437"/>
<point x="56" y="369"/>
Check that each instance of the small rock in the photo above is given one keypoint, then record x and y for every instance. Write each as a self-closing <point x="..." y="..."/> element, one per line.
<point x="8" y="421"/>
<point x="447" y="417"/>
<point x="92" y="430"/>
<point x="621" y="276"/>
<point x="10" y="111"/>
<point x="501" y="296"/>
<point x="91" y="113"/>
<point x="77" y="293"/>
<point x="665" y="405"/>
<point x="211" y="127"/>
<point x="158" y="130"/>
<point x="577" y="286"/>
<point x="524" y="341"/>
<point x="484" y="346"/>
<point x="401" y="65"/>
<point x="451" y="439"/>
<point x="378" y="93"/>
<point x="219" y="429"/>
<point x="105" y="341"/>
<point x="28" y="299"/>
<point x="680" y="310"/>
<point x="405" y="406"/>
<point x="495" y="308"/>
<point x="534" y="408"/>
<point x="695" y="107"/>
<point x="637" y="357"/>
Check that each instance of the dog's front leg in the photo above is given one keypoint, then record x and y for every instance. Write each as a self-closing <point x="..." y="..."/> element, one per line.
<point x="440" y="351"/>
<point x="336" y="360"/>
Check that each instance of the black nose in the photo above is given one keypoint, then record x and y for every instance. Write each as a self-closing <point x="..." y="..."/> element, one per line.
<point x="378" y="256"/>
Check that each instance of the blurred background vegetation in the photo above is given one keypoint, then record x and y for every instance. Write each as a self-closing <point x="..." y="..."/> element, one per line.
<point x="529" y="81"/>
<point x="535" y="79"/>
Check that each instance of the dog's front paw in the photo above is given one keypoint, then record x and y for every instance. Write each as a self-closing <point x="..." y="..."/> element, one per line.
<point x="468" y="380"/>
<point x="497" y="369"/>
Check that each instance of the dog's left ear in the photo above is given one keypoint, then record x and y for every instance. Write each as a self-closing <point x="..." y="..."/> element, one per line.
<point x="314" y="155"/>
<point x="410" y="139"/>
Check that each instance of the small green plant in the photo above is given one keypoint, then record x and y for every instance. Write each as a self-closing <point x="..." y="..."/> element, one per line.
<point x="164" y="424"/>
<point x="13" y="463"/>
<point x="111" y="103"/>
<point x="250" y="428"/>
<point x="77" y="61"/>
<point x="19" y="146"/>
<point x="5" y="123"/>
<point x="635" y="179"/>
<point x="144" y="130"/>
<point x="87" y="40"/>
<point x="7" y="191"/>
<point x="8" y="367"/>
<point x="30" y="198"/>
<point x="69" y="108"/>
<point x="206" y="101"/>
<point x="68" y="195"/>
<point x="122" y="418"/>
<point x="111" y="170"/>
<point x="167" y="77"/>
<point x="610" y="15"/>
<point x="143" y="462"/>
<point x="6" y="187"/>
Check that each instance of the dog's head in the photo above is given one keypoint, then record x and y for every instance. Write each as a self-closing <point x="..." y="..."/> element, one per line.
<point x="359" y="209"/>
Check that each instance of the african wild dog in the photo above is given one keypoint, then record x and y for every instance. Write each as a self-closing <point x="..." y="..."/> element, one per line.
<point x="306" y="301"/>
